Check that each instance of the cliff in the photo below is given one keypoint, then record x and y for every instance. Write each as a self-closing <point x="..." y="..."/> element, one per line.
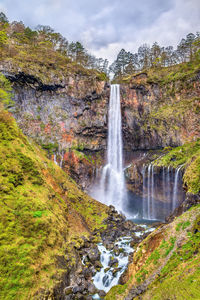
<point x="161" y="107"/>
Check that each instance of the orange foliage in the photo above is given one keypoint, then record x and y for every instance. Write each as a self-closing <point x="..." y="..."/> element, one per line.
<point x="71" y="159"/>
<point x="47" y="129"/>
<point x="66" y="137"/>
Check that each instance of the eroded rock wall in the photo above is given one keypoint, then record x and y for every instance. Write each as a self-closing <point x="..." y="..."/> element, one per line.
<point x="160" y="114"/>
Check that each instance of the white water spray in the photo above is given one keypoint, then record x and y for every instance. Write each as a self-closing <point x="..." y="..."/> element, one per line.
<point x="112" y="183"/>
<point x="175" y="191"/>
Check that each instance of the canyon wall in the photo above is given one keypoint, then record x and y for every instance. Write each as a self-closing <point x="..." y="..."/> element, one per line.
<point x="160" y="112"/>
<point x="69" y="117"/>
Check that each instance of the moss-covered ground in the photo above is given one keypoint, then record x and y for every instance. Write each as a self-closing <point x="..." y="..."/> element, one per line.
<point x="41" y="212"/>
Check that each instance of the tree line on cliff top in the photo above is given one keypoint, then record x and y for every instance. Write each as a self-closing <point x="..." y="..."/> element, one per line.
<point x="16" y="34"/>
<point x="155" y="56"/>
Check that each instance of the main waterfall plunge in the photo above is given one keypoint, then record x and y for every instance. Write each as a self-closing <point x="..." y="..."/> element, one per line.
<point x="112" y="183"/>
<point x="161" y="192"/>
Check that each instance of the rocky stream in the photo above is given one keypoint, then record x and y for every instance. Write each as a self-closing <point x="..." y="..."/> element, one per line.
<point x="102" y="263"/>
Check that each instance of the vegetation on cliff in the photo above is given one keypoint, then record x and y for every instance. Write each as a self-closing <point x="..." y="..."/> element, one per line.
<point x="5" y="92"/>
<point x="164" y="103"/>
<point x="42" y="210"/>
<point x="156" y="57"/>
<point x="187" y="156"/>
<point x="45" y="54"/>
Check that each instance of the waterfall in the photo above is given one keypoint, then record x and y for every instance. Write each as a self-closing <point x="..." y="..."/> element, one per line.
<point x="149" y="192"/>
<point x="54" y="159"/>
<point x="162" y="191"/>
<point x="175" y="190"/>
<point x="152" y="193"/>
<point x="149" y="208"/>
<point x="144" y="202"/>
<point x="112" y="183"/>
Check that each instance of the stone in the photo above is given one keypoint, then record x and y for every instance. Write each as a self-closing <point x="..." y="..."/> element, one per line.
<point x="93" y="254"/>
<point x="98" y="265"/>
<point x="87" y="273"/>
<point x="106" y="280"/>
<point x="68" y="290"/>
<point x="113" y="261"/>
<point x="89" y="298"/>
<point x="91" y="288"/>
<point x="78" y="289"/>
<point x="102" y="293"/>
<point x="79" y="296"/>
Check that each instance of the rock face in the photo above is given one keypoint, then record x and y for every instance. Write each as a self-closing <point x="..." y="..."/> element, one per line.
<point x="159" y="114"/>
<point x="74" y="112"/>
<point x="69" y="119"/>
<point x="69" y="115"/>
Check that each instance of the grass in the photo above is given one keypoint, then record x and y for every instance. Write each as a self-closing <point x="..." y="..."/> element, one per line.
<point x="117" y="290"/>
<point x="41" y="211"/>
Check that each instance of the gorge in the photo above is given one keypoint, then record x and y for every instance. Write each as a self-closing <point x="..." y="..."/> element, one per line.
<point x="99" y="179"/>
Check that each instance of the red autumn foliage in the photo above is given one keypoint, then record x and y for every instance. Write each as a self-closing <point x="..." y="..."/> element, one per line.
<point x="71" y="159"/>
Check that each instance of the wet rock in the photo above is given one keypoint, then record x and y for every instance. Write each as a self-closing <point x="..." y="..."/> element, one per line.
<point x="89" y="298"/>
<point x="128" y="225"/>
<point x="135" y="242"/>
<point x="106" y="280"/>
<point x="68" y="290"/>
<point x="91" y="288"/>
<point x="102" y="293"/>
<point x="78" y="289"/>
<point x="93" y="254"/>
<point x="109" y="246"/>
<point x="107" y="269"/>
<point x="112" y="209"/>
<point x="98" y="265"/>
<point x="79" y="296"/>
<point x="113" y="261"/>
<point x="115" y="271"/>
<point x="88" y="273"/>
<point x="69" y="297"/>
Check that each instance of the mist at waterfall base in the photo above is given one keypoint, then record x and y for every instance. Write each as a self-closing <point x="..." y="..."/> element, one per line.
<point x="111" y="189"/>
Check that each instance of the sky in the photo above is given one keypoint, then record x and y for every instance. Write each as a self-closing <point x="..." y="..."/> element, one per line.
<point x="106" y="26"/>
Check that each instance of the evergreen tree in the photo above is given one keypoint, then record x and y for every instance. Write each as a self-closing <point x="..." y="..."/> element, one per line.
<point x="3" y="18"/>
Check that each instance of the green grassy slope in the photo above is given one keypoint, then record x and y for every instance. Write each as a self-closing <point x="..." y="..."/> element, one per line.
<point x="41" y="211"/>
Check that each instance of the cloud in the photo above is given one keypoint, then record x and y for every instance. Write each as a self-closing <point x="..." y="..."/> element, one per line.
<point x="106" y="26"/>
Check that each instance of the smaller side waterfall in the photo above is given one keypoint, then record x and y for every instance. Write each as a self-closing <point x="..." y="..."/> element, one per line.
<point x="148" y="200"/>
<point x="175" y="191"/>
<point x="162" y="191"/>
<point x="145" y="205"/>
